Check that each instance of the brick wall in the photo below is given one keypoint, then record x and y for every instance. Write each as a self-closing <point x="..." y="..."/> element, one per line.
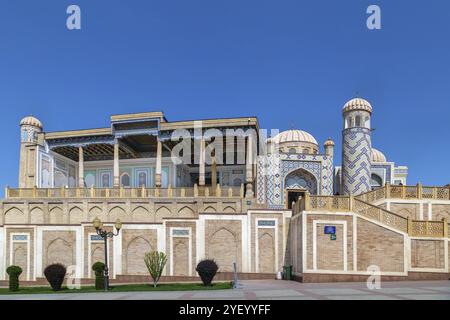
<point x="427" y="254"/>
<point x="379" y="246"/>
<point x="223" y="243"/>
<point x="135" y="244"/>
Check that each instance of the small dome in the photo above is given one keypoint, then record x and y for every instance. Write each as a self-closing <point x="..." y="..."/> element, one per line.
<point x="378" y="156"/>
<point x="357" y="104"/>
<point x="31" y="121"/>
<point x="294" y="136"/>
<point x="329" y="143"/>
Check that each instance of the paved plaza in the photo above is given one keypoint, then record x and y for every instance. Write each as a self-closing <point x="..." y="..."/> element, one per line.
<point x="273" y="290"/>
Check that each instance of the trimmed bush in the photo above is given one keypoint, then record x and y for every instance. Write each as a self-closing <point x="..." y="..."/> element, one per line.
<point x="155" y="262"/>
<point x="99" y="270"/>
<point x="14" y="273"/>
<point x="207" y="269"/>
<point x="55" y="274"/>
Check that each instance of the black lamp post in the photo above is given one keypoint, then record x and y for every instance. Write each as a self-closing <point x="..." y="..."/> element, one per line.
<point x="105" y="235"/>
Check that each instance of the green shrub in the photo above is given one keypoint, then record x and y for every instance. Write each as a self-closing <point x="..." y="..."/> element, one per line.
<point x="155" y="262"/>
<point x="55" y="274"/>
<point x="14" y="273"/>
<point x="99" y="269"/>
<point x="207" y="269"/>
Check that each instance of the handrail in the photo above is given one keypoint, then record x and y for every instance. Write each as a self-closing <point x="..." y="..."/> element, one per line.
<point x="381" y="215"/>
<point x="414" y="228"/>
<point x="122" y="192"/>
<point x="406" y="192"/>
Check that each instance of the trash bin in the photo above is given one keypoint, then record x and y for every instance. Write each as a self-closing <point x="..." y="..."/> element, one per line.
<point x="287" y="272"/>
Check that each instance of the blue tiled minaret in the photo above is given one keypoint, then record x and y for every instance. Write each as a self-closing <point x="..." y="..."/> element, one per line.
<point x="356" y="147"/>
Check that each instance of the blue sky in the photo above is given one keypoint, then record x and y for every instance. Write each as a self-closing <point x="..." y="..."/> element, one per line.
<point x="288" y="62"/>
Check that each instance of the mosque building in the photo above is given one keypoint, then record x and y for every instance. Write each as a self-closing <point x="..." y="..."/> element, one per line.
<point x="259" y="203"/>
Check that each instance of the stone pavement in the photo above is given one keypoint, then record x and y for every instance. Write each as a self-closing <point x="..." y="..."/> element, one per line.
<point x="275" y="289"/>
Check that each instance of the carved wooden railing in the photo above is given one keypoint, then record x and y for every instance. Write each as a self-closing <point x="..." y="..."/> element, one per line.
<point x="381" y="215"/>
<point x="328" y="203"/>
<point x="405" y="192"/>
<point x="414" y="228"/>
<point x="196" y="191"/>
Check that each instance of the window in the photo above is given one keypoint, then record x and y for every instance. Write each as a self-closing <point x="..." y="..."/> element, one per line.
<point x="105" y="180"/>
<point x="142" y="178"/>
<point x="292" y="150"/>
<point x="306" y="151"/>
<point x="125" y="179"/>
<point x="376" y="181"/>
<point x="358" y="121"/>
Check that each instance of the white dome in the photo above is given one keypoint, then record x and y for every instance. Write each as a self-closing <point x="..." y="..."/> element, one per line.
<point x="294" y="136"/>
<point x="357" y="104"/>
<point x="378" y="156"/>
<point x="31" y="121"/>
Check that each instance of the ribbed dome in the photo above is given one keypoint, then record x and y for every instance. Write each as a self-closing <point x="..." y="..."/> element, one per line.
<point x="329" y="143"/>
<point x="378" y="156"/>
<point x="357" y="104"/>
<point x="294" y="136"/>
<point x="31" y="121"/>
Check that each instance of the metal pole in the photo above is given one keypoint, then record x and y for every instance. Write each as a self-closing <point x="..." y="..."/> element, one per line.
<point x="235" y="275"/>
<point x="106" y="279"/>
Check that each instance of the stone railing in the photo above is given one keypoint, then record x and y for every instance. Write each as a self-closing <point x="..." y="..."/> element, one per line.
<point x="381" y="215"/>
<point x="196" y="191"/>
<point x="436" y="229"/>
<point x="328" y="203"/>
<point x="414" y="228"/>
<point x="406" y="192"/>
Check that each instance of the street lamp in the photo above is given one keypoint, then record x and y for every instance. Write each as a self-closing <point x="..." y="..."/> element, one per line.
<point x="105" y="235"/>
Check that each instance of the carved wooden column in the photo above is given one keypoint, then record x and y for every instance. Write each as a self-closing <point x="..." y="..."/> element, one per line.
<point x="116" y="180"/>
<point x="249" y="168"/>
<point x="158" y="164"/>
<point x="80" y="167"/>
<point x="201" y="169"/>
<point x="214" y="175"/>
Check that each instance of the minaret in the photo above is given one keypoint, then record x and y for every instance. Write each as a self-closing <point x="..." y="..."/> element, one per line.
<point x="356" y="147"/>
<point x="30" y="127"/>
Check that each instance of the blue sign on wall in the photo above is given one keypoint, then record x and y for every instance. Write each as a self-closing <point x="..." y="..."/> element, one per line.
<point x="330" y="230"/>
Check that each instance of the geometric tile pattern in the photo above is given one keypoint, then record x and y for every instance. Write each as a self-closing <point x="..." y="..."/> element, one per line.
<point x="272" y="171"/>
<point x="356" y="160"/>
<point x="387" y="168"/>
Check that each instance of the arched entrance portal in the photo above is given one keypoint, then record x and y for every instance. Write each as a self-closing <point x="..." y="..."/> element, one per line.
<point x="297" y="183"/>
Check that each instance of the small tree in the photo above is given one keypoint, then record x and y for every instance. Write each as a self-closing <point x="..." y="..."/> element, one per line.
<point x="155" y="262"/>
<point x="99" y="269"/>
<point x="14" y="273"/>
<point x="55" y="274"/>
<point x="207" y="270"/>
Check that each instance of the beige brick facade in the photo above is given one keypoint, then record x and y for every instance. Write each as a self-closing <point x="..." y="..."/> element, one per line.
<point x="427" y="254"/>
<point x="379" y="246"/>
<point x="223" y="243"/>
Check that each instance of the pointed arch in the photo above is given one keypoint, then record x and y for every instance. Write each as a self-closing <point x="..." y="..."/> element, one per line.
<point x="15" y="215"/>
<point x="36" y="216"/>
<point x="59" y="251"/>
<point x="163" y="210"/>
<point x="186" y="211"/>
<point x="210" y="209"/>
<point x="135" y="252"/>
<point x="301" y="179"/>
<point x="266" y="248"/>
<point x="223" y="247"/>
<point x="117" y="212"/>
<point x="141" y="214"/>
<point x="229" y="209"/>
<point x="56" y="215"/>
<point x="75" y="215"/>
